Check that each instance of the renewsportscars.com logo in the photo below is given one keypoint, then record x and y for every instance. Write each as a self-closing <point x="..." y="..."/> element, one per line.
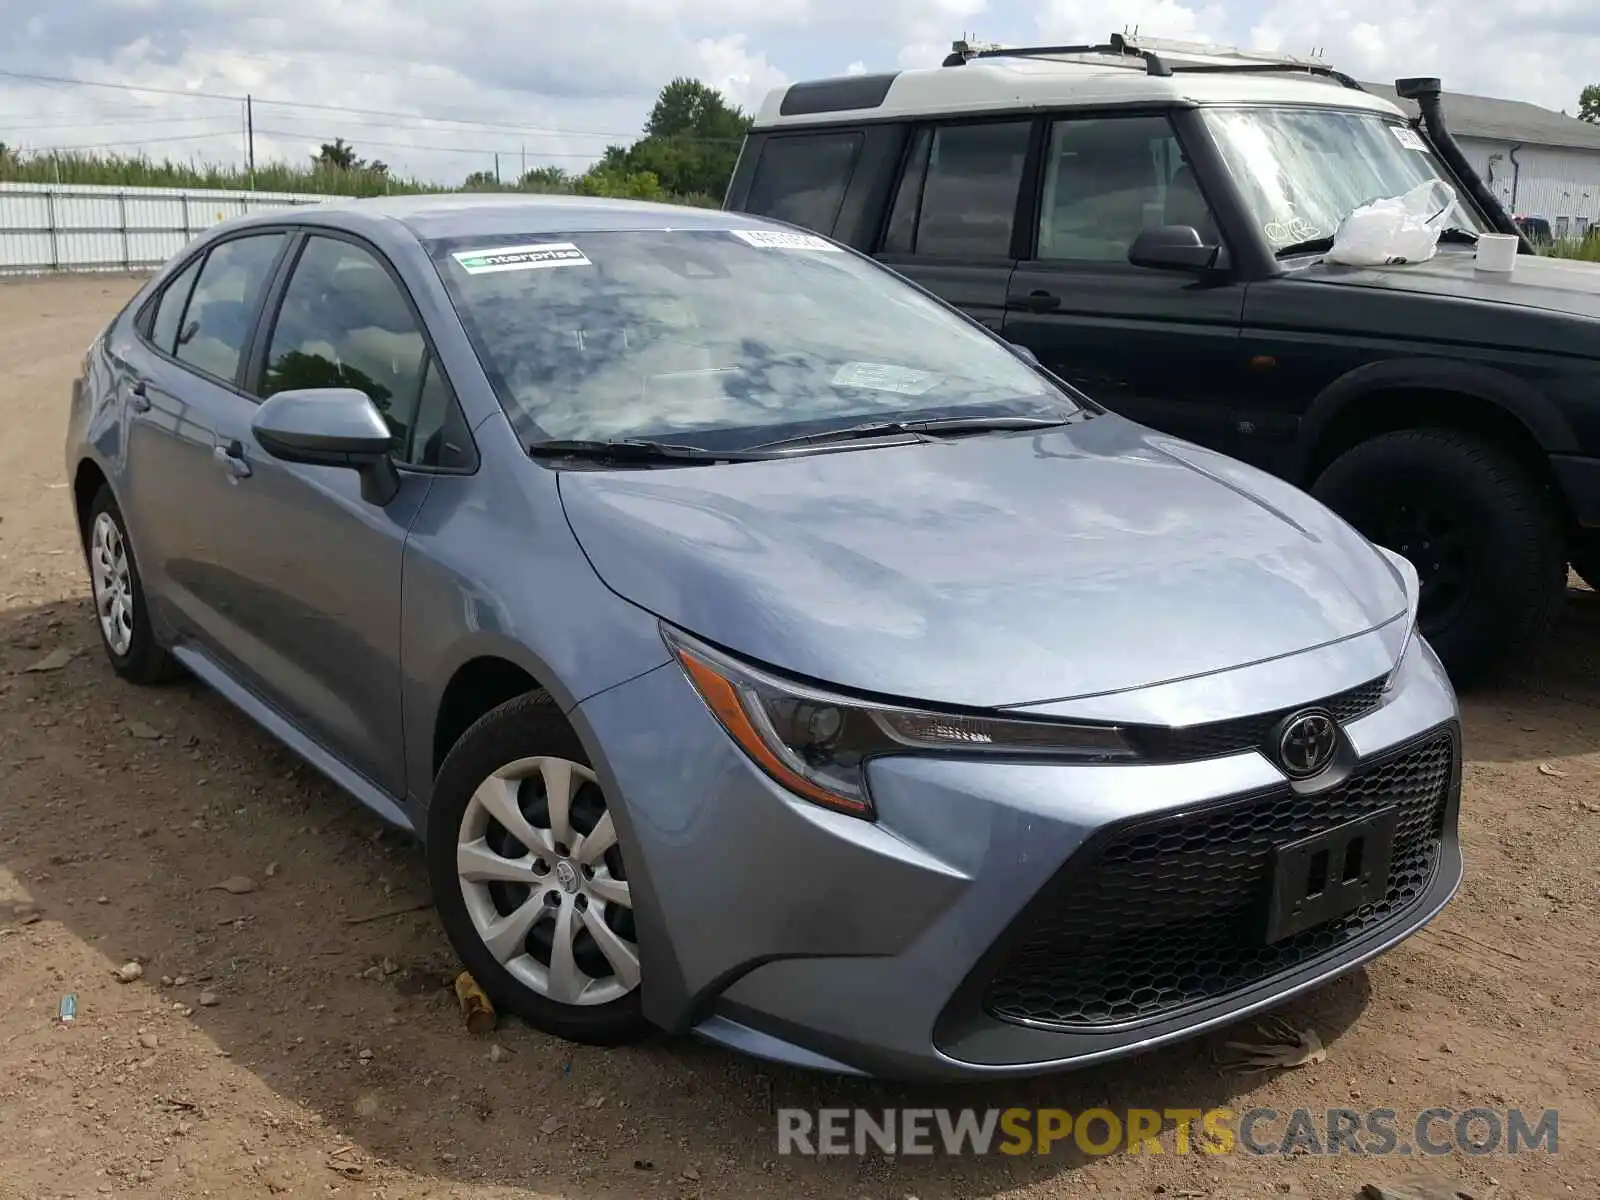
<point x="1376" y="1132"/>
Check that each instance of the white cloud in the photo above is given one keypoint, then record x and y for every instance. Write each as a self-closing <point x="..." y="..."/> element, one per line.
<point x="558" y="81"/>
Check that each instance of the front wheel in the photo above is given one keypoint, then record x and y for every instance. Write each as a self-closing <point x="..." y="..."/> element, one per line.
<point x="529" y="876"/>
<point x="1481" y="529"/>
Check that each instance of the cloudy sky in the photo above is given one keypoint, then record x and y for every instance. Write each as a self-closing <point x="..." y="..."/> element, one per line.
<point x="437" y="87"/>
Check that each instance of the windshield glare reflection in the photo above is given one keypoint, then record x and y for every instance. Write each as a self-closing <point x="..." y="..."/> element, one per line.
<point x="1302" y="171"/>
<point x="700" y="337"/>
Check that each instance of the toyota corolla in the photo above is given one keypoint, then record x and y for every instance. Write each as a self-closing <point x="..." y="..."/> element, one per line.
<point x="758" y="646"/>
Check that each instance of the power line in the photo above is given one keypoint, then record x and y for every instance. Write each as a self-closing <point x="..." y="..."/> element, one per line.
<point x="154" y="141"/>
<point x="334" y="108"/>
<point x="119" y="121"/>
<point x="485" y="150"/>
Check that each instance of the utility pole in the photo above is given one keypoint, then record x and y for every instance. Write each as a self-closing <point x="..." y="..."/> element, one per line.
<point x="497" y="168"/>
<point x="524" y="174"/>
<point x="250" y="139"/>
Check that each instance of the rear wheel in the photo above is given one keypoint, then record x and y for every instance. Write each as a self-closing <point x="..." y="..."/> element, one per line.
<point x="1481" y="529"/>
<point x="529" y="876"/>
<point x="122" y="613"/>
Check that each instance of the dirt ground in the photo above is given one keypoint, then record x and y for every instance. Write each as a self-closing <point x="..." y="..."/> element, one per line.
<point x="278" y="1044"/>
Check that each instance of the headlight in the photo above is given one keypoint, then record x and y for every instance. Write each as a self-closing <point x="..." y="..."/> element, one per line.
<point x="1413" y="587"/>
<point x="817" y="744"/>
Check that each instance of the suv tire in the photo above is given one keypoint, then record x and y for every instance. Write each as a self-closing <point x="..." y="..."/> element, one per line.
<point x="469" y="848"/>
<point x="1481" y="528"/>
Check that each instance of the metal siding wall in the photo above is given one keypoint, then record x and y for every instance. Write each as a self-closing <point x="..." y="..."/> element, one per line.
<point x="1552" y="183"/>
<point x="51" y="227"/>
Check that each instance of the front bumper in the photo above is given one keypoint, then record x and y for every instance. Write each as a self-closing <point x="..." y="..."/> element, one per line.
<point x="893" y="948"/>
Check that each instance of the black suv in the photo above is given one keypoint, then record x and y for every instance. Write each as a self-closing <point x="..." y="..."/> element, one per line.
<point x="1153" y="231"/>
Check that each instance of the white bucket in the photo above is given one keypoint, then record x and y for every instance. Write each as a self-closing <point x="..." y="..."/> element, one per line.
<point x="1496" y="252"/>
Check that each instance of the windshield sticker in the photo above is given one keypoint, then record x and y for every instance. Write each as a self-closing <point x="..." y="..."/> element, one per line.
<point x="773" y="239"/>
<point x="521" y="258"/>
<point x="1408" y="137"/>
<point x="883" y="377"/>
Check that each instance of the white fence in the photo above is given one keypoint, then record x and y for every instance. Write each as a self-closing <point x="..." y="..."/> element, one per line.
<point x="65" y="227"/>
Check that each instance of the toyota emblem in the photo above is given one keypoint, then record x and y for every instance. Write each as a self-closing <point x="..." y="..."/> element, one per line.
<point x="1307" y="743"/>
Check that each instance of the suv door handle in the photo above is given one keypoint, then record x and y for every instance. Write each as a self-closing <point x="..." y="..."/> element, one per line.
<point x="139" y="396"/>
<point x="1037" y="300"/>
<point x="232" y="459"/>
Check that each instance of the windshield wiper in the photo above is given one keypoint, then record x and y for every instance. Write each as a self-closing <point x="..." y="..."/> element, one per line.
<point x="933" y="425"/>
<point x="637" y="450"/>
<point x="1316" y="245"/>
<point x="1322" y="245"/>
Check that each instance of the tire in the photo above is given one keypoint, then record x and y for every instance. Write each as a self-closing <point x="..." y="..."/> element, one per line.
<point x="497" y="772"/>
<point x="1482" y="530"/>
<point x="1583" y="553"/>
<point x="122" y="614"/>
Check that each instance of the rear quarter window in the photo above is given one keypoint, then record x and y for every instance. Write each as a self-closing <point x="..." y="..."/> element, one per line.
<point x="801" y="178"/>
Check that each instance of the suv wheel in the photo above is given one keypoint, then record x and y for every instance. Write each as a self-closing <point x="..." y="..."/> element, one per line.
<point x="121" y="611"/>
<point x="1480" y="529"/>
<point x="528" y="874"/>
<point x="1584" y="555"/>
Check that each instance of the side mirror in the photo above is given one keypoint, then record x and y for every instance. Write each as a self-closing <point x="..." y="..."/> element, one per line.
<point x="1172" y="248"/>
<point x="330" y="427"/>
<point x="1026" y="355"/>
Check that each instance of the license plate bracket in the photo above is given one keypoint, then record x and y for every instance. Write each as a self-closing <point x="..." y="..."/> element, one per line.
<point x="1330" y="874"/>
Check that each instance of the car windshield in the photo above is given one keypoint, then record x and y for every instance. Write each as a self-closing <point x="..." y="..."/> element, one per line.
<point x="1302" y="170"/>
<point x="722" y="338"/>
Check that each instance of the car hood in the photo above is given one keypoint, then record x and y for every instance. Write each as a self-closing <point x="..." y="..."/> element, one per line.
<point x="987" y="571"/>
<point x="1559" y="285"/>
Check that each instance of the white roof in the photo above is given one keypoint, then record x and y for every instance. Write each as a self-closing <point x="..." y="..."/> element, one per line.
<point x="999" y="84"/>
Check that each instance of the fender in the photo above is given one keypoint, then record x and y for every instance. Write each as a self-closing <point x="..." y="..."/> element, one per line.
<point x="1543" y="421"/>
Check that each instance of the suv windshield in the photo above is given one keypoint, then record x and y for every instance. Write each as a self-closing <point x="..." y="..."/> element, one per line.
<point x="720" y="338"/>
<point x="1302" y="170"/>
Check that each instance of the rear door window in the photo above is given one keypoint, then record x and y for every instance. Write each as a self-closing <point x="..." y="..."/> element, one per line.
<point x="802" y="178"/>
<point x="961" y="181"/>
<point x="222" y="311"/>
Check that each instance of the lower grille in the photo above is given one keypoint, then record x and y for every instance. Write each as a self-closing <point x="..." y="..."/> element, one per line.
<point x="1170" y="913"/>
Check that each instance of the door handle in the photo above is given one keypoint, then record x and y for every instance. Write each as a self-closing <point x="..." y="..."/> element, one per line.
<point x="232" y="459"/>
<point x="139" y="396"/>
<point x="1037" y="300"/>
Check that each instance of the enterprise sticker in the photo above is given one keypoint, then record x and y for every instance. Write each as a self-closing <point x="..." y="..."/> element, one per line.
<point x="774" y="239"/>
<point x="521" y="258"/>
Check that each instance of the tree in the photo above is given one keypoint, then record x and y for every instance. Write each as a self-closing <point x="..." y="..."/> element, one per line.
<point x="549" y="178"/>
<point x="481" y="181"/>
<point x="340" y="155"/>
<point x="1589" y="104"/>
<point x="691" y="141"/>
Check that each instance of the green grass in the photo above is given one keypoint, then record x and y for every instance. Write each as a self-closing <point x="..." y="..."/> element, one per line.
<point x="112" y="170"/>
<point x="1583" y="249"/>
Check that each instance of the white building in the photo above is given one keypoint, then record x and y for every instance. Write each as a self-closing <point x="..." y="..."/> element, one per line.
<point x="1539" y="163"/>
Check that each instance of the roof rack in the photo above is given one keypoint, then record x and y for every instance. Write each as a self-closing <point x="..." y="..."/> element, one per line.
<point x="1159" y="57"/>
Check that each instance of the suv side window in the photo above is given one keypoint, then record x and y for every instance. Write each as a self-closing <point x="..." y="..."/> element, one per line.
<point x="169" y="308"/>
<point x="802" y="179"/>
<point x="344" y="322"/>
<point x="222" y="309"/>
<point x="961" y="182"/>
<point x="1106" y="180"/>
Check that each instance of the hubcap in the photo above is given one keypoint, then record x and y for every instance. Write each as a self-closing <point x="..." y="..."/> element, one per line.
<point x="112" y="583"/>
<point x="544" y="884"/>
